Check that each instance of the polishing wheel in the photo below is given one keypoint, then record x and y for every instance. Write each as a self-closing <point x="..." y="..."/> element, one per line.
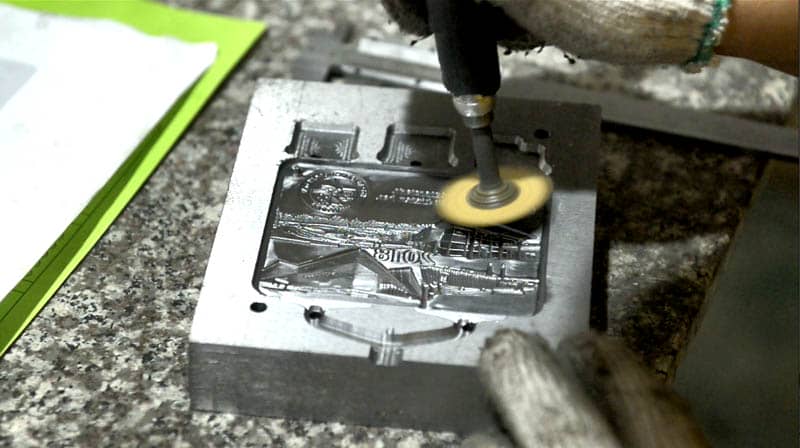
<point x="460" y="201"/>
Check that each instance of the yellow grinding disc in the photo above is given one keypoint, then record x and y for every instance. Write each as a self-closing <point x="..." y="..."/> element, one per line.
<point x="534" y="191"/>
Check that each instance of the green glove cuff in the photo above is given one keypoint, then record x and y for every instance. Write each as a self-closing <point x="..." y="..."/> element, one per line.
<point x="711" y="37"/>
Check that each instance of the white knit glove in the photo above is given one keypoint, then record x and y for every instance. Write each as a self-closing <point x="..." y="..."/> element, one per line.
<point x="622" y="31"/>
<point x="626" y="31"/>
<point x="591" y="392"/>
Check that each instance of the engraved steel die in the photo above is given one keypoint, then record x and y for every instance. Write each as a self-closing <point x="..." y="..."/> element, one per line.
<point x="371" y="234"/>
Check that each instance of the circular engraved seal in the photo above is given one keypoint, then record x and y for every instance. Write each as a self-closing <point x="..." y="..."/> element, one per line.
<point x="333" y="191"/>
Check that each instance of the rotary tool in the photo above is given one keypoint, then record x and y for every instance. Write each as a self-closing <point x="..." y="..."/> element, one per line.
<point x="471" y="73"/>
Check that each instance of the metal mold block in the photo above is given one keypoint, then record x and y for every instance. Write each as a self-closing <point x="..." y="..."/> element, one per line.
<point x="334" y="292"/>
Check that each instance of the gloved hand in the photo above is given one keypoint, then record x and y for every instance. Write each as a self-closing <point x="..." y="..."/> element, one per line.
<point x="626" y="31"/>
<point x="412" y="16"/>
<point x="591" y="392"/>
<point x="665" y="31"/>
<point x="621" y="31"/>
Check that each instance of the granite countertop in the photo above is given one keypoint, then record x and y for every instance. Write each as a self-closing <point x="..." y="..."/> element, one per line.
<point x="105" y="362"/>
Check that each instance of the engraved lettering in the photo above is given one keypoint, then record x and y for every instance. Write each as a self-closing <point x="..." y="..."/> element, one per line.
<point x="402" y="256"/>
<point x="410" y="196"/>
<point x="383" y="254"/>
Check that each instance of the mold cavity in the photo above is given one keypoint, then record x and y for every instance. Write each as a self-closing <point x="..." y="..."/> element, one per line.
<point x="408" y="145"/>
<point x="324" y="141"/>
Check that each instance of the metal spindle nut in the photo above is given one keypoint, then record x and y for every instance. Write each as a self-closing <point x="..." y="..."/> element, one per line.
<point x="475" y="110"/>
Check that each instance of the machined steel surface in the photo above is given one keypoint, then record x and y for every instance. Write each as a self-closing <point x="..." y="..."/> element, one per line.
<point x="333" y="290"/>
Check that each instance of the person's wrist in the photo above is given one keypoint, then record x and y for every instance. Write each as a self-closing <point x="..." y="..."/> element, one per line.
<point x="764" y="31"/>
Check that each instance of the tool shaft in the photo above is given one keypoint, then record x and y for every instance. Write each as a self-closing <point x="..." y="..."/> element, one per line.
<point x="486" y="159"/>
<point x="471" y="72"/>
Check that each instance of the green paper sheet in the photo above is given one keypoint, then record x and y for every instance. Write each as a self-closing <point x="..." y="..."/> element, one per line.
<point x="233" y="38"/>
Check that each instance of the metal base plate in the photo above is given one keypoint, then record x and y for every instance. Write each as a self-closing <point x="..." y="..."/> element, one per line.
<point x="334" y="292"/>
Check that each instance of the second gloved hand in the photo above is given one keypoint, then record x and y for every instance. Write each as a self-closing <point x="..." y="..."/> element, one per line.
<point x="591" y="392"/>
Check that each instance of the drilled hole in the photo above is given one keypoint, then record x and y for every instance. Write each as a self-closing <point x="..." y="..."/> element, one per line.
<point x="315" y="312"/>
<point x="541" y="134"/>
<point x="258" y="307"/>
<point x="415" y="163"/>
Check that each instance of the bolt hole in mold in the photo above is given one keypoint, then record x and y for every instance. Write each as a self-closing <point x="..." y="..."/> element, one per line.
<point x="315" y="312"/>
<point x="348" y="231"/>
<point x="258" y="307"/>
<point x="541" y="134"/>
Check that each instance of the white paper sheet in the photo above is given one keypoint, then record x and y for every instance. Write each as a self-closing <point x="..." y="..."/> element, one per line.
<point x="76" y="97"/>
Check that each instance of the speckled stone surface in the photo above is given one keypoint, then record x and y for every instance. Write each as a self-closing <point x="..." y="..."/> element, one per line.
<point x="104" y="364"/>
